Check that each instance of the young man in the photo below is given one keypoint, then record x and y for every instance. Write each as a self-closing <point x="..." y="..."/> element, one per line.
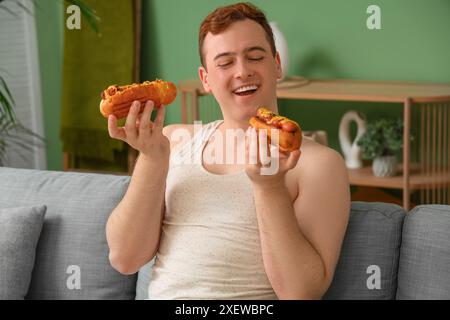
<point x="224" y="230"/>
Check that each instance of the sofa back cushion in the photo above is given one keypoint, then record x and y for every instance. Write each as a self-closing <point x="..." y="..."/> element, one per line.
<point x="424" y="270"/>
<point x="72" y="254"/>
<point x="367" y="267"/>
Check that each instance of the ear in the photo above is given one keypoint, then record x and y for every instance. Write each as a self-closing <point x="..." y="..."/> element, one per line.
<point x="278" y="62"/>
<point x="203" y="75"/>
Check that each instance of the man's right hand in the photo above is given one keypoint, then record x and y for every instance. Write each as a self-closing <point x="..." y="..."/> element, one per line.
<point x="141" y="133"/>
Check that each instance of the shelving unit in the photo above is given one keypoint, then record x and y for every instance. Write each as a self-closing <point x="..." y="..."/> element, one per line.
<point x="426" y="108"/>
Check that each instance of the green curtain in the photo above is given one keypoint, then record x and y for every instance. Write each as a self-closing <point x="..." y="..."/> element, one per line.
<point x="92" y="62"/>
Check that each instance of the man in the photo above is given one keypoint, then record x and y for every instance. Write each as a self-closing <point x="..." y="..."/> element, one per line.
<point x="224" y="230"/>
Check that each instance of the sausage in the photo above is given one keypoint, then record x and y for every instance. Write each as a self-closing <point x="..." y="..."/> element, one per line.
<point x="290" y="133"/>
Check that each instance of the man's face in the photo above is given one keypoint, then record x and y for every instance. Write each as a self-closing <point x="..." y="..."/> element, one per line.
<point x="241" y="71"/>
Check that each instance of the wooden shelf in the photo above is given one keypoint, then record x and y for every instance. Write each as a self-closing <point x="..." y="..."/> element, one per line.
<point x="348" y="90"/>
<point x="417" y="179"/>
<point x="367" y="91"/>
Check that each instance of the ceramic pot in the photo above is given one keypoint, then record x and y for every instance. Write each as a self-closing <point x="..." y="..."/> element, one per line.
<point x="385" y="166"/>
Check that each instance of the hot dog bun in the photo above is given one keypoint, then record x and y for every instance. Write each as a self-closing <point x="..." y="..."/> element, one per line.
<point x="117" y="100"/>
<point x="289" y="132"/>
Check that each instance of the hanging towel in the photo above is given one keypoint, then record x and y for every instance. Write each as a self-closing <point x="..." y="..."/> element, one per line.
<point x="92" y="62"/>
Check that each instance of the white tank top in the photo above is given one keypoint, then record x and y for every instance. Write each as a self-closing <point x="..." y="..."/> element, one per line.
<point x="210" y="246"/>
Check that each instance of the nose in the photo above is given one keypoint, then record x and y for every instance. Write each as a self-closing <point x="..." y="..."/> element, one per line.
<point x="244" y="70"/>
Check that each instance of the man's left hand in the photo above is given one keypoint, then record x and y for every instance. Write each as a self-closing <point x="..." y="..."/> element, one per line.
<point x="266" y="165"/>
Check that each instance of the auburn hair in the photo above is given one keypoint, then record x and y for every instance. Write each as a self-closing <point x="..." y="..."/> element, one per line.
<point x="221" y="18"/>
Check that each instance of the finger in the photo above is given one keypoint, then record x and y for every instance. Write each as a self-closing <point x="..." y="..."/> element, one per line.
<point x="145" y="120"/>
<point x="246" y="141"/>
<point x="114" y="131"/>
<point x="247" y="145"/>
<point x="264" y="155"/>
<point x="293" y="159"/>
<point x="253" y="147"/>
<point x="274" y="152"/>
<point x="159" y="121"/>
<point x="283" y="154"/>
<point x="130" y="123"/>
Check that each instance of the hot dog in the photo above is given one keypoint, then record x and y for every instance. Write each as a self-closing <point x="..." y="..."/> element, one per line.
<point x="289" y="132"/>
<point x="117" y="100"/>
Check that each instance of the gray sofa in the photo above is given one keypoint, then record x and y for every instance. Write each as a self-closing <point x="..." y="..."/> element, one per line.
<point x="386" y="254"/>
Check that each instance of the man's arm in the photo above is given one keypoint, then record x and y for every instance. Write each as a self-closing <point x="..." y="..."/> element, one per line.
<point x="301" y="241"/>
<point x="134" y="227"/>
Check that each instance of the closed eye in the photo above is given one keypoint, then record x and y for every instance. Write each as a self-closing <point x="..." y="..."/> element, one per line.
<point x="256" y="59"/>
<point x="224" y="64"/>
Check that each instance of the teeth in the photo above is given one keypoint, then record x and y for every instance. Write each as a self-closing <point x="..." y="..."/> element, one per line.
<point x="246" y="88"/>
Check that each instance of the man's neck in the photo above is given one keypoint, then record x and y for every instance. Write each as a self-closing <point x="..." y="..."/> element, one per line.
<point x="233" y="124"/>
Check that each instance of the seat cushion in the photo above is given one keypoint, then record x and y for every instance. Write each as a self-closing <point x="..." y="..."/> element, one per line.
<point x="424" y="270"/>
<point x="72" y="254"/>
<point x="20" y="229"/>
<point x="367" y="267"/>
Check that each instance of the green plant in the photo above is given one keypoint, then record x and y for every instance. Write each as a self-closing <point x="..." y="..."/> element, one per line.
<point x="13" y="134"/>
<point x="384" y="137"/>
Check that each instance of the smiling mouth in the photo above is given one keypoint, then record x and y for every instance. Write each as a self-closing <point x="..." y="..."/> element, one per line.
<point x="246" y="90"/>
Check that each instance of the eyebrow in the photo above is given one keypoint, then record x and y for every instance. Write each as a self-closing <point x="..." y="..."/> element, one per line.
<point x="256" y="48"/>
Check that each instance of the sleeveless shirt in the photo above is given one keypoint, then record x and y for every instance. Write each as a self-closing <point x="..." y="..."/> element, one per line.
<point x="210" y="245"/>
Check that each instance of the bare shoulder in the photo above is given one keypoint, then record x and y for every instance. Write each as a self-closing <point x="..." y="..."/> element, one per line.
<point x="319" y="164"/>
<point x="317" y="159"/>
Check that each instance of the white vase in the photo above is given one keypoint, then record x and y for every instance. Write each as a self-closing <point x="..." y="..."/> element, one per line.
<point x="385" y="166"/>
<point x="281" y="47"/>
<point x="352" y="152"/>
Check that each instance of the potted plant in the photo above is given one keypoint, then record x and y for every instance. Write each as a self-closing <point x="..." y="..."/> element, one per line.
<point x="381" y="143"/>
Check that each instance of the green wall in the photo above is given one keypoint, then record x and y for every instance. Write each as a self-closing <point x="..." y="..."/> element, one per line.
<point x="49" y="24"/>
<point x="327" y="39"/>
